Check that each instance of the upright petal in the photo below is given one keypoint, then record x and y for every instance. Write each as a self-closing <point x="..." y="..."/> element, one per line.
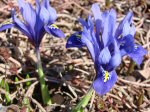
<point x="115" y="56"/>
<point x="38" y="7"/>
<point x="128" y="29"/>
<point x="29" y="15"/>
<point x="121" y="25"/>
<point x="55" y="31"/>
<point x="98" y="17"/>
<point x="44" y="15"/>
<point x="104" y="56"/>
<point x="83" y="22"/>
<point x="87" y="40"/>
<point x="51" y="10"/>
<point x="21" y="26"/>
<point x="112" y="22"/>
<point x="138" y="53"/>
<point x="75" y="40"/>
<point x="105" y="82"/>
<point x="106" y="34"/>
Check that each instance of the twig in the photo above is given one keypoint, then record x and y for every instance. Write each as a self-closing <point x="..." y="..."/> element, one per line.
<point x="134" y="83"/>
<point x="69" y="87"/>
<point x="25" y="80"/>
<point x="38" y="105"/>
<point x="31" y="89"/>
<point x="92" y="100"/>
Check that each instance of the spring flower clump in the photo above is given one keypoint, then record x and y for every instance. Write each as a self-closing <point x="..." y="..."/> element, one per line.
<point x="107" y="43"/>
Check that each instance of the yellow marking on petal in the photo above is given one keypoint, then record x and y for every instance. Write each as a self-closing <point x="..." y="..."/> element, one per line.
<point x="106" y="77"/>
<point x="78" y="35"/>
<point x="9" y="21"/>
<point x="55" y="26"/>
<point x="136" y="46"/>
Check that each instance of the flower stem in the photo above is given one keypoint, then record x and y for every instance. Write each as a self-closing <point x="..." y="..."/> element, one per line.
<point x="44" y="90"/>
<point x="84" y="102"/>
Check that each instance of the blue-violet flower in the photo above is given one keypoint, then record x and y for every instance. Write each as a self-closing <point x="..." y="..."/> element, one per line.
<point x="36" y="21"/>
<point x="107" y="44"/>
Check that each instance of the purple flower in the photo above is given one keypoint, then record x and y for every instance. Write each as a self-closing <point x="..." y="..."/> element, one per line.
<point x="103" y="49"/>
<point x="125" y="36"/>
<point x="36" y="21"/>
<point x="107" y="44"/>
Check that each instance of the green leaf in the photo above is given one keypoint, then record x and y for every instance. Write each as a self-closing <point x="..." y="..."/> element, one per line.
<point x="16" y="79"/>
<point x="2" y="83"/>
<point x="84" y="102"/>
<point x="7" y="87"/>
<point x="29" y="82"/>
<point x="7" y="98"/>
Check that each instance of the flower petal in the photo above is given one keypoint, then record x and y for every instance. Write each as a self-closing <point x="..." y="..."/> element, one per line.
<point x="38" y="6"/>
<point x="55" y="31"/>
<point x="121" y="25"/>
<point x="6" y="26"/>
<point x="21" y="26"/>
<point x="29" y="15"/>
<point x="138" y="53"/>
<point x="75" y="40"/>
<point x="114" y="61"/>
<point x="115" y="56"/>
<point x="98" y="17"/>
<point x="51" y="10"/>
<point x="112" y="22"/>
<point x="127" y="45"/>
<point x="106" y="34"/>
<point x="104" y="56"/>
<point x="103" y="86"/>
<point x="44" y="15"/>
<point x="83" y="22"/>
<point x="87" y="40"/>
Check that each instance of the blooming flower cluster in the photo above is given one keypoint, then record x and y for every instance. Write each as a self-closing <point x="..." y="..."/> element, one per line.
<point x="107" y="43"/>
<point x="36" y="21"/>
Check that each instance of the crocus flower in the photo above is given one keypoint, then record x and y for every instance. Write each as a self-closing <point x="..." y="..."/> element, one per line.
<point x="36" y="21"/>
<point x="106" y="44"/>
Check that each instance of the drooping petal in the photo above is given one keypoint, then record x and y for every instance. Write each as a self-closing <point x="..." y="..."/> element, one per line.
<point x="51" y="10"/>
<point x="55" y="31"/>
<point x="105" y="82"/>
<point x="121" y="25"/>
<point x="104" y="56"/>
<point x="6" y="26"/>
<point x="138" y="53"/>
<point x="75" y="40"/>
